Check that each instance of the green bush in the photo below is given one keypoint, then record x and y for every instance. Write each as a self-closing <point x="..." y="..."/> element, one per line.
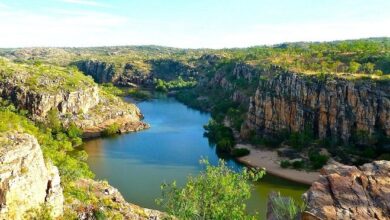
<point x="216" y="193"/>
<point x="240" y="152"/>
<point x="53" y="120"/>
<point x="285" y="163"/>
<point x="317" y="160"/>
<point x="111" y="130"/>
<point x="298" y="164"/>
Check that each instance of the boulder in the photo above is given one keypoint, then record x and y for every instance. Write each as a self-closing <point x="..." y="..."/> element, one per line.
<point x="26" y="181"/>
<point x="350" y="192"/>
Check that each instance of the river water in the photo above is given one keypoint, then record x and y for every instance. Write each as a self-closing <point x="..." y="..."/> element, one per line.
<point x="137" y="163"/>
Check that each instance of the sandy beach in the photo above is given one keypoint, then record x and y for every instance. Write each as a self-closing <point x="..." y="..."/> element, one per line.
<point x="271" y="162"/>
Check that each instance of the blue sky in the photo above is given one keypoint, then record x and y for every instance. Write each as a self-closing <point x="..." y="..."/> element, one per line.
<point x="188" y="24"/>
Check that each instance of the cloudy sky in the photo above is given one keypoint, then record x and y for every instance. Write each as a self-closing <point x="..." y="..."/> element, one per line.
<point x="188" y="23"/>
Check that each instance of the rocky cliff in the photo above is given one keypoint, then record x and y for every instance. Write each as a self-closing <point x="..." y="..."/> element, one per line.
<point x="112" y="203"/>
<point x="349" y="192"/>
<point x="101" y="72"/>
<point x="39" y="89"/>
<point x="133" y="72"/>
<point x="26" y="181"/>
<point x="330" y="107"/>
<point x="40" y="103"/>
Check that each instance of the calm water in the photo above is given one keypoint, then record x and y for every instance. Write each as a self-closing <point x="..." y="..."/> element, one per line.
<point x="137" y="163"/>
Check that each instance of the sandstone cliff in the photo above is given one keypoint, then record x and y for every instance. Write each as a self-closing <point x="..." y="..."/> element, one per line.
<point x="330" y="107"/>
<point x="26" y="181"/>
<point x="39" y="89"/>
<point x="349" y="192"/>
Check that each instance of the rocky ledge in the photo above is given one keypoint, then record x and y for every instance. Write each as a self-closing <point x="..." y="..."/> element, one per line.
<point x="349" y="192"/>
<point x="113" y="201"/>
<point x="26" y="181"/>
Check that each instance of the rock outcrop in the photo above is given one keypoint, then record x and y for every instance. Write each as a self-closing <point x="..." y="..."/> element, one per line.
<point x="349" y="192"/>
<point x="127" y="74"/>
<point x="114" y="200"/>
<point x="26" y="181"/>
<point x="101" y="72"/>
<point x="334" y="108"/>
<point x="40" y="103"/>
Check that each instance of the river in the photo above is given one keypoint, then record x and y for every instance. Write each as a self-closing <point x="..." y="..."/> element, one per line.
<point x="137" y="163"/>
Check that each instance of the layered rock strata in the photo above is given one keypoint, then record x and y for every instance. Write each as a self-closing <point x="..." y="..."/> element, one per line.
<point x="334" y="108"/>
<point x="26" y="181"/>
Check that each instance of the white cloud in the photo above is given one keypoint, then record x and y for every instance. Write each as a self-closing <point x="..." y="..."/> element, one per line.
<point x="60" y="27"/>
<point x="86" y="2"/>
<point x="33" y="29"/>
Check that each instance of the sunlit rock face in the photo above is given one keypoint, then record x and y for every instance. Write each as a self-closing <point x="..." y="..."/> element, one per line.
<point x="26" y="181"/>
<point x="349" y="192"/>
<point x="334" y="108"/>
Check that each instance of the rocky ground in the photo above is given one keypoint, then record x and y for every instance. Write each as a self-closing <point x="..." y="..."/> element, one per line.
<point x="349" y="192"/>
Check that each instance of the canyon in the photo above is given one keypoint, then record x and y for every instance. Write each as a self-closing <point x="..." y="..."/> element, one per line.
<point x="264" y="96"/>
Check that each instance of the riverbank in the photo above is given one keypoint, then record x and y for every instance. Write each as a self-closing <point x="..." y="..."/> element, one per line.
<point x="271" y="162"/>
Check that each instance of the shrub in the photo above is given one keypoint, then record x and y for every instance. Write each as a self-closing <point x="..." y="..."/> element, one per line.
<point x="43" y="212"/>
<point x="111" y="130"/>
<point x="298" y="164"/>
<point x="285" y="163"/>
<point x="216" y="193"/>
<point x="53" y="120"/>
<point x="317" y="160"/>
<point x="240" y="152"/>
<point x="285" y="208"/>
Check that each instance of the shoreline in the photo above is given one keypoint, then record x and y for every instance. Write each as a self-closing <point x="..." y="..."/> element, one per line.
<point x="271" y="162"/>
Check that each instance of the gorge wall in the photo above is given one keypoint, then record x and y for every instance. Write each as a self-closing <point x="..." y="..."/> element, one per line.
<point x="26" y="181"/>
<point x="330" y="107"/>
<point x="40" y="103"/>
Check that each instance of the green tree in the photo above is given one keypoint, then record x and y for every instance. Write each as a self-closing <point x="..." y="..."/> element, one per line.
<point x="354" y="67"/>
<point x="217" y="193"/>
<point x="369" y="67"/>
<point x="53" y="121"/>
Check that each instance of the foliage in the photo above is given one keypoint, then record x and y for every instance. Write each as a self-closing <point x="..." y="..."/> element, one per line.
<point x="53" y="120"/>
<point x="57" y="148"/>
<point x="111" y="89"/>
<point x="285" y="163"/>
<point x="317" y="160"/>
<point x="221" y="135"/>
<point x="285" y="208"/>
<point x="139" y="94"/>
<point x="44" y="78"/>
<point x="43" y="212"/>
<point x="179" y="83"/>
<point x="217" y="193"/>
<point x="240" y="152"/>
<point x="111" y="130"/>
<point x="301" y="140"/>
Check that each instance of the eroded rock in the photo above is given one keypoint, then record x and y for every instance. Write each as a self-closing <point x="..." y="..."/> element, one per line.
<point x="26" y="181"/>
<point x="349" y="192"/>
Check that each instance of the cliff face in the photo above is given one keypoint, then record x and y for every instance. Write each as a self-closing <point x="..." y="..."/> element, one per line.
<point x="105" y="72"/>
<point x="349" y="192"/>
<point x="26" y="181"/>
<point x="101" y="72"/>
<point x="40" y="103"/>
<point x="334" y="108"/>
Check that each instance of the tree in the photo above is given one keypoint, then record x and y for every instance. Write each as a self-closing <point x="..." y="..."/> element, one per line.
<point x="217" y="193"/>
<point x="369" y="67"/>
<point x="354" y="67"/>
<point x="53" y="121"/>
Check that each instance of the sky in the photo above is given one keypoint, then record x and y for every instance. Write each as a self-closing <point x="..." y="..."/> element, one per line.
<point x="188" y="23"/>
